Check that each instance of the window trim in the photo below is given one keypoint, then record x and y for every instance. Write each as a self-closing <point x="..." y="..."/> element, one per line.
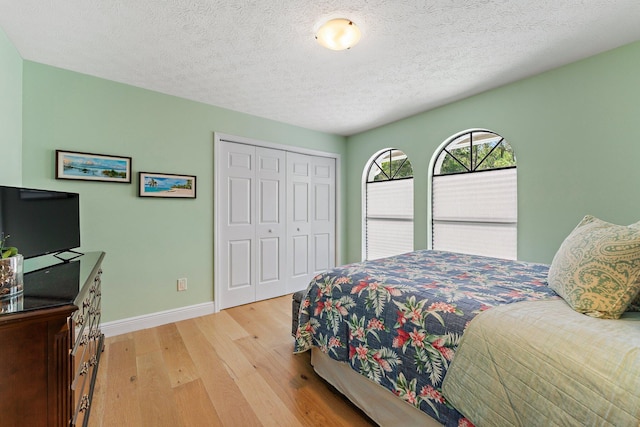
<point x="389" y="178"/>
<point x="430" y="175"/>
<point x="363" y="196"/>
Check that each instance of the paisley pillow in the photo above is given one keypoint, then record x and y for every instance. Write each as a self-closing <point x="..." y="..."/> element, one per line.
<point x="597" y="268"/>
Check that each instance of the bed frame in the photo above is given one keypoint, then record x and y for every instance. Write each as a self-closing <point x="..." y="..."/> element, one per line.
<point x="374" y="400"/>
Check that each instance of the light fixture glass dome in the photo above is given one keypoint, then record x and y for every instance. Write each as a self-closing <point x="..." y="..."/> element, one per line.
<point x="338" y="34"/>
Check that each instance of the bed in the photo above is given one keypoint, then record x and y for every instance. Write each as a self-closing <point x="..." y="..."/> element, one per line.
<point x="385" y="333"/>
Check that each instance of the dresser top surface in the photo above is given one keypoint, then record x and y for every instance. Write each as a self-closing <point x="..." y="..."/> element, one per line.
<point x="50" y="283"/>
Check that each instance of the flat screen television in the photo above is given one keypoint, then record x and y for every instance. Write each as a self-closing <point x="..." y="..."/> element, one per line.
<point x="39" y="222"/>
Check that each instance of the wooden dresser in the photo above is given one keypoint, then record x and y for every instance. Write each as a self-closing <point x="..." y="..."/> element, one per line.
<point x="50" y="343"/>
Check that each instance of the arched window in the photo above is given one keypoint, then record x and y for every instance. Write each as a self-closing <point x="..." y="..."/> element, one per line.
<point x="388" y="193"/>
<point x="474" y="195"/>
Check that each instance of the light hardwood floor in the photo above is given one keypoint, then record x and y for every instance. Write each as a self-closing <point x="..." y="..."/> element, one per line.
<point x="233" y="368"/>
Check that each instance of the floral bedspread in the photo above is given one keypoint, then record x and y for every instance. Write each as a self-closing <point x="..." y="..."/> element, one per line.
<point x="398" y="320"/>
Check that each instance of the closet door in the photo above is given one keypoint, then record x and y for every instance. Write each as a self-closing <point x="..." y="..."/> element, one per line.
<point x="323" y="214"/>
<point x="270" y="223"/>
<point x="236" y="218"/>
<point x="275" y="221"/>
<point x="298" y="221"/>
<point x="310" y="218"/>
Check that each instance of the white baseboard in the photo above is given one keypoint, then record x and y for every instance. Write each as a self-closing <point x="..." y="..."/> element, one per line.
<point x="152" y="320"/>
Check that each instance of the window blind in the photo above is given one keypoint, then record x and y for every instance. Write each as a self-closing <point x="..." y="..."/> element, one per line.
<point x="476" y="213"/>
<point x="389" y="218"/>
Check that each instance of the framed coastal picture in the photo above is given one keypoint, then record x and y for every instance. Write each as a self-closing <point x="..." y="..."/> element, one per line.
<point x="167" y="185"/>
<point x="92" y="167"/>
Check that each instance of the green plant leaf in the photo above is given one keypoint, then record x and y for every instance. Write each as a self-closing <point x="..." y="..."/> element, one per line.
<point x="9" y="252"/>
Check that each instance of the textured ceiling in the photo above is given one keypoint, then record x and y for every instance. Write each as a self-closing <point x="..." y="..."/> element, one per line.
<point x="260" y="56"/>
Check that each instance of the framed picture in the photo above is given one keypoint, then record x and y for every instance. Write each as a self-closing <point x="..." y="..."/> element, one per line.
<point x="167" y="185"/>
<point x="92" y="167"/>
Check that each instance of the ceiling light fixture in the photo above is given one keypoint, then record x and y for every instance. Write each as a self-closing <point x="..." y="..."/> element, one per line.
<point x="338" y="34"/>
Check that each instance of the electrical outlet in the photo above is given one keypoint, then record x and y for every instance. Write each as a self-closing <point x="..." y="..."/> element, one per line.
<point x="182" y="284"/>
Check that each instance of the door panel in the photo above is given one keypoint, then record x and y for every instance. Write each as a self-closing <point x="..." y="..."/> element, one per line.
<point x="271" y="227"/>
<point x="239" y="201"/>
<point x="324" y="214"/>
<point x="300" y="256"/>
<point x="268" y="204"/>
<point x="269" y="161"/>
<point x="322" y="204"/>
<point x="300" y="203"/>
<point x="269" y="260"/>
<point x="323" y="170"/>
<point x="298" y="221"/>
<point x="236" y="186"/>
<point x="240" y="160"/>
<point x="321" y="261"/>
<point x="300" y="165"/>
<point x="239" y="258"/>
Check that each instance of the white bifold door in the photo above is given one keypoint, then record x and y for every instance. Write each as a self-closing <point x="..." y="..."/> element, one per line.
<point x="251" y="209"/>
<point x="275" y="214"/>
<point x="310" y="218"/>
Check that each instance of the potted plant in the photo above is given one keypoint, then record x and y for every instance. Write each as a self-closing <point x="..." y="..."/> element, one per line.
<point x="11" y="270"/>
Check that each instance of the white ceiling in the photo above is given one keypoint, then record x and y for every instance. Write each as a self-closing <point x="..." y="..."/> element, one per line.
<point x="260" y="56"/>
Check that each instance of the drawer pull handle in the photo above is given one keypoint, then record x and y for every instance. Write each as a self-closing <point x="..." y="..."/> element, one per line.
<point x="84" y="340"/>
<point x="84" y="368"/>
<point x="84" y="403"/>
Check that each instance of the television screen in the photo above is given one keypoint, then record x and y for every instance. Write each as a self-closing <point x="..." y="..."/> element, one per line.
<point x="39" y="222"/>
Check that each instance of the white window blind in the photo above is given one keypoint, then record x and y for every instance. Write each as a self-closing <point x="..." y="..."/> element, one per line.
<point x="476" y="213"/>
<point x="389" y="218"/>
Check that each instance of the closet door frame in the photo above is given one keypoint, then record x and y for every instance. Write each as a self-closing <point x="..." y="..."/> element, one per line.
<point x="221" y="137"/>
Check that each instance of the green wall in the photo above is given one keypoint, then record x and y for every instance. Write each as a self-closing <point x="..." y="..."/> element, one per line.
<point x="149" y="242"/>
<point x="576" y="137"/>
<point x="10" y="113"/>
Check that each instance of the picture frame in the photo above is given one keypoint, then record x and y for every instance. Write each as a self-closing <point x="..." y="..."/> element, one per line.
<point x="166" y="185"/>
<point x="92" y="167"/>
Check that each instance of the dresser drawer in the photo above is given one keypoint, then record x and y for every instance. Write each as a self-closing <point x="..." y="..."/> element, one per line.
<point x="86" y="349"/>
<point x="86" y="368"/>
